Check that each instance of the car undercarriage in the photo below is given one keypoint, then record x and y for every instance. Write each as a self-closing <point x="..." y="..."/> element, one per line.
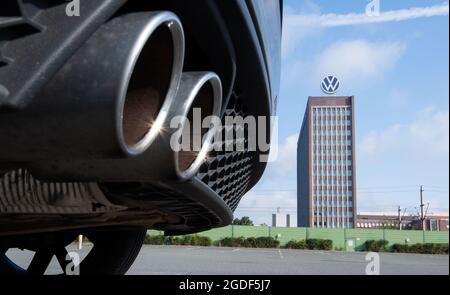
<point x="86" y="106"/>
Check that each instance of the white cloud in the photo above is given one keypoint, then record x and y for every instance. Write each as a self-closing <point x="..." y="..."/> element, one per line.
<point x="358" y="59"/>
<point x="299" y="25"/>
<point x="427" y="136"/>
<point x="355" y="62"/>
<point x="292" y="33"/>
<point x="337" y="20"/>
<point x="286" y="155"/>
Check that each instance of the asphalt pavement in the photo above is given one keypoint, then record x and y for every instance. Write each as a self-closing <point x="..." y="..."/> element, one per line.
<point x="173" y="260"/>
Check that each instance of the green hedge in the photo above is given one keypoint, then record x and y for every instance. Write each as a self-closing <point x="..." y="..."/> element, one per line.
<point x="188" y="240"/>
<point x="251" y="242"/>
<point x="428" y="248"/>
<point x="310" y="244"/>
<point x="293" y="244"/>
<point x="155" y="240"/>
<point x="375" y="246"/>
<point x="319" y="244"/>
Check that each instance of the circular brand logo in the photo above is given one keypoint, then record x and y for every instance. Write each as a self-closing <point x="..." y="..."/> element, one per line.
<point x="330" y="85"/>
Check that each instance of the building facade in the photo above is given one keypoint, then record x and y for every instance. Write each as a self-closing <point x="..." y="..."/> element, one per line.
<point x="391" y="220"/>
<point x="326" y="186"/>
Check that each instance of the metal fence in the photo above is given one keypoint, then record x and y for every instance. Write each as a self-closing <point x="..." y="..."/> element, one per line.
<point x="343" y="239"/>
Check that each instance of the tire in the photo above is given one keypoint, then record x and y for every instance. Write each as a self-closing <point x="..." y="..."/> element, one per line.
<point x="113" y="253"/>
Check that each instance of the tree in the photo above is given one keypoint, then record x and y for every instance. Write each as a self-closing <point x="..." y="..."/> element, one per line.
<point x="245" y="220"/>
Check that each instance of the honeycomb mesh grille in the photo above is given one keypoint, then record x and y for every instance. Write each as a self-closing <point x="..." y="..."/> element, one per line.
<point x="228" y="173"/>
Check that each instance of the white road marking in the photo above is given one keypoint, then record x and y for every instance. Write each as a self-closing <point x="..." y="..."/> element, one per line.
<point x="281" y="254"/>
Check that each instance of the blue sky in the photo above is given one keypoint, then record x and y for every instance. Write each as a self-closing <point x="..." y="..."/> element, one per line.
<point x="396" y="66"/>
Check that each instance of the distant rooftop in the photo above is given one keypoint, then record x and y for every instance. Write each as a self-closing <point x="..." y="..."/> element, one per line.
<point x="387" y="213"/>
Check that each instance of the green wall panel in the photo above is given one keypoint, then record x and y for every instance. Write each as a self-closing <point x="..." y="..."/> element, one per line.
<point x="250" y="231"/>
<point x="286" y="234"/>
<point x="436" y="237"/>
<point x="403" y="237"/>
<point x="338" y="236"/>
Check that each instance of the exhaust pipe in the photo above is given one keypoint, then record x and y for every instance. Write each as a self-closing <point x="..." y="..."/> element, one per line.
<point x="176" y="153"/>
<point x="202" y="94"/>
<point x="106" y="101"/>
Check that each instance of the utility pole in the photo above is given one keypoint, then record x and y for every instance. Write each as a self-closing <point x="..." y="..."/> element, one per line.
<point x="400" y="216"/>
<point x="422" y="215"/>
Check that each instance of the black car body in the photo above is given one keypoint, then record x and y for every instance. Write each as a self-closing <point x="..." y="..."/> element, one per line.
<point x="44" y="178"/>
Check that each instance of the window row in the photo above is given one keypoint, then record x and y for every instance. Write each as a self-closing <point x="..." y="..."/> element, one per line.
<point x="333" y="162"/>
<point x="333" y="214"/>
<point x="332" y="111"/>
<point x="331" y="203"/>
<point x="333" y="142"/>
<point x="332" y="172"/>
<point x="331" y="122"/>
<point x="324" y="182"/>
<point x="334" y="225"/>
<point x="333" y="132"/>
<point x="332" y="152"/>
<point x="318" y="193"/>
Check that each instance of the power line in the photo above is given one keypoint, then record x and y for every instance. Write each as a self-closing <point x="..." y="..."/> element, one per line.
<point x="366" y="192"/>
<point x="437" y="191"/>
<point x="388" y="187"/>
<point x="385" y="192"/>
<point x="437" y="186"/>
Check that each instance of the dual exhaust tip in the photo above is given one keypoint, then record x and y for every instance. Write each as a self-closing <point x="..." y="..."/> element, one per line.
<point x="150" y="79"/>
<point x="111" y="106"/>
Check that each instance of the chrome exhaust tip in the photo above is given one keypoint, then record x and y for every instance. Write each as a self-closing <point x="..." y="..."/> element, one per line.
<point x="199" y="96"/>
<point x="203" y="92"/>
<point x="150" y="81"/>
<point x="106" y="100"/>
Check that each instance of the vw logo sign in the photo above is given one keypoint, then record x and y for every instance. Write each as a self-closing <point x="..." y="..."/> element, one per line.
<point x="330" y="85"/>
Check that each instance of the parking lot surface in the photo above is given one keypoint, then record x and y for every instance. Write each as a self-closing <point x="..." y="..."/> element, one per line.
<point x="171" y="260"/>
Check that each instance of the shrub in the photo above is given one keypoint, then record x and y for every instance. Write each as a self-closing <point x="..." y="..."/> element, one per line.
<point x="251" y="242"/>
<point x="399" y="248"/>
<point x="293" y="244"/>
<point x="375" y="246"/>
<point x="232" y="242"/>
<point x="187" y="240"/>
<point x="225" y="242"/>
<point x="428" y="248"/>
<point x="319" y="244"/>
<point x="267" y="242"/>
<point x="201" y="241"/>
<point x="154" y="240"/>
